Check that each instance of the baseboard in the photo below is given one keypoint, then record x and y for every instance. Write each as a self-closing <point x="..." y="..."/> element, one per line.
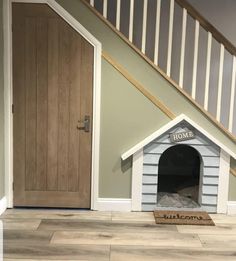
<point x="1" y="240"/>
<point x="3" y="205"/>
<point x="113" y="204"/>
<point x="231" y="207"/>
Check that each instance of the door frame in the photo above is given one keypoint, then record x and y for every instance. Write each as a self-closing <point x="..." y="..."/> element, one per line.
<point x="8" y="95"/>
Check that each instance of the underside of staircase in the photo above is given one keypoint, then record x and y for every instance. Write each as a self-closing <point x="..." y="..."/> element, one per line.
<point x="183" y="47"/>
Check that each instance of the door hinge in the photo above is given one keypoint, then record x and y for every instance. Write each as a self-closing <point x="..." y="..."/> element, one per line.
<point x="12" y="108"/>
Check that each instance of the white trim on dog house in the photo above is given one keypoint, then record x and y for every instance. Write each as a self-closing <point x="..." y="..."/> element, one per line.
<point x="170" y="125"/>
<point x="214" y="175"/>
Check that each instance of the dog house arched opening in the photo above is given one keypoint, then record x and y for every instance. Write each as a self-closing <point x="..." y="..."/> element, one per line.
<point x="179" y="177"/>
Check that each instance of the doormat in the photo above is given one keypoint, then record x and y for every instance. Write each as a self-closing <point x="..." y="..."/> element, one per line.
<point x="182" y="217"/>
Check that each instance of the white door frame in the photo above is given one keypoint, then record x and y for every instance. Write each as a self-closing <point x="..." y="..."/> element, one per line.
<point x="8" y="95"/>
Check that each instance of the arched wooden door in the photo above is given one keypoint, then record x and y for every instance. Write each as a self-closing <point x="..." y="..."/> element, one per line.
<point x="52" y="95"/>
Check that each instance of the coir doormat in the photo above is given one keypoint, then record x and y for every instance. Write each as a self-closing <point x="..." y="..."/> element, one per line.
<point x="183" y="217"/>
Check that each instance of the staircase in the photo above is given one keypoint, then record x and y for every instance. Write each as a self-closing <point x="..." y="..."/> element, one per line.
<point x="185" y="47"/>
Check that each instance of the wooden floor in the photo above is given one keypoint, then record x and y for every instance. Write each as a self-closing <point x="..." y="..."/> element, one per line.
<point x="89" y="235"/>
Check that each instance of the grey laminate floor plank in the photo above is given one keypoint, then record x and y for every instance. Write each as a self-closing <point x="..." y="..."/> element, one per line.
<point x="135" y="217"/>
<point x="20" y="259"/>
<point x="56" y="214"/>
<point x="103" y="226"/>
<point x="26" y="236"/>
<point x="55" y="252"/>
<point x="119" y="238"/>
<point x="223" y="219"/>
<point x="19" y="223"/>
<point x="30" y="259"/>
<point x="141" y="253"/>
<point x="209" y="230"/>
<point x="219" y="241"/>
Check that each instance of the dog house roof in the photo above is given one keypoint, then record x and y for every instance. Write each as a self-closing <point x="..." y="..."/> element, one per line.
<point x="166" y="128"/>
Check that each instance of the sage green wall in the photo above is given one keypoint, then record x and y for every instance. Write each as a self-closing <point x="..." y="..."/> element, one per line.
<point x="1" y="106"/>
<point x="232" y="188"/>
<point x="232" y="182"/>
<point x="233" y="163"/>
<point x="127" y="117"/>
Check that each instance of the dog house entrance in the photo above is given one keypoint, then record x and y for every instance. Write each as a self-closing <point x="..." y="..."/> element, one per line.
<point x="178" y="178"/>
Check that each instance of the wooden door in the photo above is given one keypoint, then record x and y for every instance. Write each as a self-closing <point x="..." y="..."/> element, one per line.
<point x="52" y="91"/>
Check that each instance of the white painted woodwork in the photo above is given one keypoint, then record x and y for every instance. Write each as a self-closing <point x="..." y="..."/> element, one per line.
<point x="3" y="207"/>
<point x="131" y="20"/>
<point x="8" y="101"/>
<point x="114" y="204"/>
<point x="209" y="190"/>
<point x="204" y="150"/>
<point x="151" y="158"/>
<point x="1" y="239"/>
<point x="211" y="171"/>
<point x="231" y="207"/>
<point x="232" y="96"/>
<point x="220" y="83"/>
<point x="149" y="169"/>
<point x="157" y="32"/>
<point x="118" y="14"/>
<point x="137" y="172"/>
<point x="149" y="189"/>
<point x="170" y="37"/>
<point x="143" y="48"/>
<point x="209" y="200"/>
<point x="208" y="67"/>
<point x="148" y="207"/>
<point x="182" y="51"/>
<point x="92" y="2"/>
<point x="211" y="161"/>
<point x="195" y="59"/>
<point x="210" y="209"/>
<point x="147" y="179"/>
<point x="105" y="8"/>
<point x="147" y="198"/>
<point x="210" y="180"/>
<point x="171" y="124"/>
<point x="223" y="182"/>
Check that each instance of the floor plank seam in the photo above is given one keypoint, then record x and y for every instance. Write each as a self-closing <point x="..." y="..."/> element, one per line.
<point x="200" y="240"/>
<point x="110" y="253"/>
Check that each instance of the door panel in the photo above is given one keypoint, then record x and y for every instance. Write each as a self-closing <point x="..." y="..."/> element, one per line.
<point x="52" y="91"/>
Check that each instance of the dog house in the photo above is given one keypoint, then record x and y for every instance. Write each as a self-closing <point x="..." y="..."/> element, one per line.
<point x="180" y="166"/>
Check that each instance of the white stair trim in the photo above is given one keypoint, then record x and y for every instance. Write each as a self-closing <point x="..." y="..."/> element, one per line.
<point x="3" y="205"/>
<point x="114" y="204"/>
<point x="231" y="207"/>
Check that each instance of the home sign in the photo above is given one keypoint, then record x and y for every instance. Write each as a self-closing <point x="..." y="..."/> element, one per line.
<point x="181" y="136"/>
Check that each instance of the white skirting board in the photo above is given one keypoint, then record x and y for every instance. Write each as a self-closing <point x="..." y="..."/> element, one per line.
<point x="123" y="204"/>
<point x="231" y="207"/>
<point x="113" y="204"/>
<point x="3" y="205"/>
<point x="1" y="240"/>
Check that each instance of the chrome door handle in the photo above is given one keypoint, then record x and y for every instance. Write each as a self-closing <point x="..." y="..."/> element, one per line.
<point x="86" y="123"/>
